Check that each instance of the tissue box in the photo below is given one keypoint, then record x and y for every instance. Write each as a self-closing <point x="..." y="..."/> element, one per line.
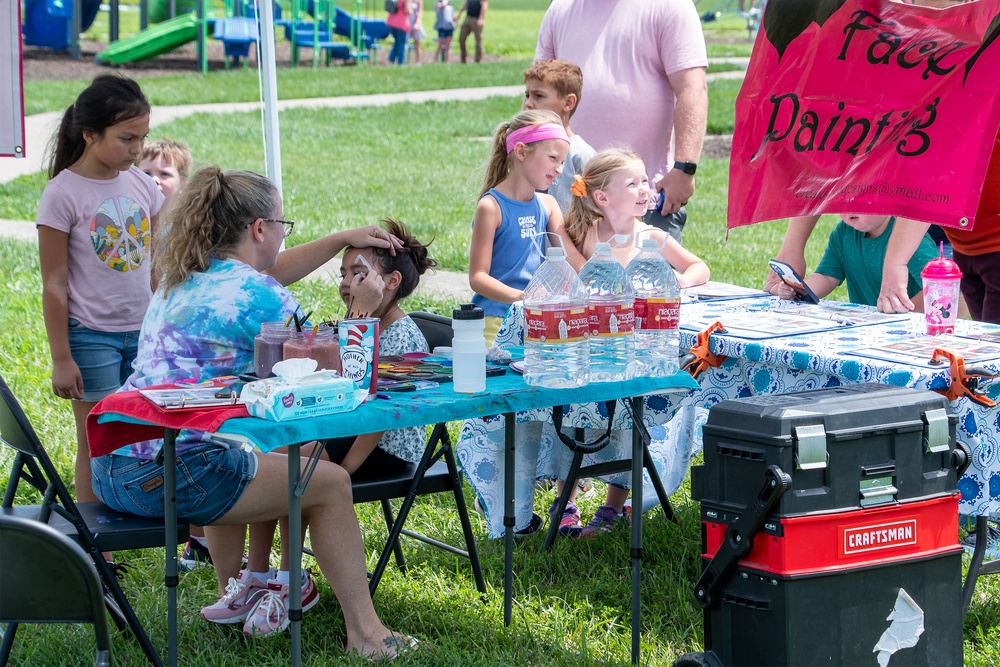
<point x="278" y="399"/>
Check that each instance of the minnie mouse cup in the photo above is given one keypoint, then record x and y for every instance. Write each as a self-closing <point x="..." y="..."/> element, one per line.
<point x="942" y="279"/>
<point x="359" y="351"/>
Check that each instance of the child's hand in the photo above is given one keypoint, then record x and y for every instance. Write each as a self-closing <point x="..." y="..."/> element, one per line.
<point x="782" y="291"/>
<point x="366" y="294"/>
<point x="67" y="382"/>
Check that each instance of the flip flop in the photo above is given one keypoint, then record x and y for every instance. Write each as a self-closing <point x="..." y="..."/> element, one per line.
<point x="400" y="644"/>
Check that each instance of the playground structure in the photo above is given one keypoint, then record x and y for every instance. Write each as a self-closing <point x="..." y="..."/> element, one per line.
<point x="314" y="24"/>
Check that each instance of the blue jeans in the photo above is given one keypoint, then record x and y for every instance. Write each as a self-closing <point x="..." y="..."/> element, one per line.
<point x="398" y="53"/>
<point x="210" y="479"/>
<point x="104" y="358"/>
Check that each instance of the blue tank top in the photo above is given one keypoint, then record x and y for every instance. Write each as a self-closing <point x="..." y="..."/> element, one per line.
<point x="516" y="255"/>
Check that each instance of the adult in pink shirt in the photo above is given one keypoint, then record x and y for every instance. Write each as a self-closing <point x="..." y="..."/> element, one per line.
<point x="643" y="64"/>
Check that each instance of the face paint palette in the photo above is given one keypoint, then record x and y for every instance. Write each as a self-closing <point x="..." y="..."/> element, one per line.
<point x="422" y="367"/>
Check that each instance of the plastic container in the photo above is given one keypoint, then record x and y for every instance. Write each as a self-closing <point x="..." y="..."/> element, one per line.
<point x="657" y="312"/>
<point x="942" y="282"/>
<point x="468" y="349"/>
<point x="611" y="315"/>
<point x="319" y="343"/>
<point x="556" y="350"/>
<point x="268" y="347"/>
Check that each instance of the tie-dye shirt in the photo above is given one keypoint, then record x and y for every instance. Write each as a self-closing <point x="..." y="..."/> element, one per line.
<point x="204" y="329"/>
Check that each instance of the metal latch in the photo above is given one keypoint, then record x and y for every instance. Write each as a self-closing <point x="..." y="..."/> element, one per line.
<point x="810" y="447"/>
<point x="936" y="433"/>
<point x="877" y="491"/>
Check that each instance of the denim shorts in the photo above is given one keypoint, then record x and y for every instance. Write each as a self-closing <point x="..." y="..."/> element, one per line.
<point x="445" y="33"/>
<point x="211" y="477"/>
<point x="104" y="357"/>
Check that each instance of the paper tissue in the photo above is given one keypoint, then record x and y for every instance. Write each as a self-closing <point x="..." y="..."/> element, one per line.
<point x="299" y="390"/>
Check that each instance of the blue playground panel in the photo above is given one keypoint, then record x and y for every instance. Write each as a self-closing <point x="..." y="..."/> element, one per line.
<point x="47" y="22"/>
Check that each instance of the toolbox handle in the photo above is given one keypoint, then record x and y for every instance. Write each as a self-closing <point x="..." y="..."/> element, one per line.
<point x="961" y="457"/>
<point x="739" y="536"/>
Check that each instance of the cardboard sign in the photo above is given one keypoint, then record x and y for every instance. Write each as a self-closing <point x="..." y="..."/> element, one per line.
<point x="867" y="107"/>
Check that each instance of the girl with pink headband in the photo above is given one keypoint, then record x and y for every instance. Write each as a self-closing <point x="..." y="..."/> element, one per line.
<point x="528" y="152"/>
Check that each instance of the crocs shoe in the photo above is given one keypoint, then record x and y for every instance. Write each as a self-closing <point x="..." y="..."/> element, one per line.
<point x="569" y="524"/>
<point x="242" y="595"/>
<point x="603" y="522"/>
<point x="270" y="616"/>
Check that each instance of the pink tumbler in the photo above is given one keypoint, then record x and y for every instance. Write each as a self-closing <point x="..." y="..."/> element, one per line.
<point x="942" y="279"/>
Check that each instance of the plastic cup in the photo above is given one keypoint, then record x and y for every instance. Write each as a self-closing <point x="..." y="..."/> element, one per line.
<point x="359" y="352"/>
<point x="942" y="286"/>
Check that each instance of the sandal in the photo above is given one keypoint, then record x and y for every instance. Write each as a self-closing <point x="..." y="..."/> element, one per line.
<point x="398" y="644"/>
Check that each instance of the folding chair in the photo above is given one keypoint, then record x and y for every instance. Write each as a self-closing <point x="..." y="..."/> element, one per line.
<point x="431" y="475"/>
<point x="47" y="578"/>
<point x="93" y="525"/>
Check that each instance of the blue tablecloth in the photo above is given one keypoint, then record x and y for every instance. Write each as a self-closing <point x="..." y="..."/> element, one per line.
<point x="816" y="360"/>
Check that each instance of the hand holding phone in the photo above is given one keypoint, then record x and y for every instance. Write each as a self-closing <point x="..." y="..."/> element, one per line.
<point x="791" y="278"/>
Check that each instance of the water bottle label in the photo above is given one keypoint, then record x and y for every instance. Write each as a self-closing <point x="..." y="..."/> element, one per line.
<point x="653" y="314"/>
<point x="612" y="319"/>
<point x="562" y="325"/>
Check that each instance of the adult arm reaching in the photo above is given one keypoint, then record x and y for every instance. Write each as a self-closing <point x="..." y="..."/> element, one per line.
<point x="690" y="117"/>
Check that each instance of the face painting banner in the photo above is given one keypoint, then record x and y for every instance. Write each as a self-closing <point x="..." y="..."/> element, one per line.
<point x="867" y="107"/>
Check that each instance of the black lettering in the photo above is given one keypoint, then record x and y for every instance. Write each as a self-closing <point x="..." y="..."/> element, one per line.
<point x="924" y="141"/>
<point x="933" y="66"/>
<point x="923" y="47"/>
<point x="889" y="41"/>
<point x="776" y="101"/>
<point x="809" y="122"/>
<point x="880" y="125"/>
<point x="829" y="128"/>
<point x="855" y="25"/>
<point x="849" y="125"/>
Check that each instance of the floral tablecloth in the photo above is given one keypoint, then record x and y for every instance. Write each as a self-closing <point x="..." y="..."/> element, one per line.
<point x="539" y="454"/>
<point x="824" y="359"/>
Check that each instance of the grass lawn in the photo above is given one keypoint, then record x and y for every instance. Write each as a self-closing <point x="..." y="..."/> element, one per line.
<point x="347" y="167"/>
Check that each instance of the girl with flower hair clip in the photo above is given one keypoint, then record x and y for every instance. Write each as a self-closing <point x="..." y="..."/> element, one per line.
<point x="609" y="200"/>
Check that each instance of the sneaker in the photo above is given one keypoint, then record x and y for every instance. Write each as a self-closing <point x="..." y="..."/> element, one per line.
<point x="531" y="528"/>
<point x="603" y="521"/>
<point x="270" y="616"/>
<point x="242" y="595"/>
<point x="195" y="555"/>
<point x="992" y="541"/>
<point x="569" y="524"/>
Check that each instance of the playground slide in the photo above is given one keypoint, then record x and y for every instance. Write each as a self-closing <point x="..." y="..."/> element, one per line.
<point x="375" y="28"/>
<point x="155" y="40"/>
<point x="47" y="22"/>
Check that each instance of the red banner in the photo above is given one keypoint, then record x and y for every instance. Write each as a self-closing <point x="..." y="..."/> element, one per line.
<point x="867" y="106"/>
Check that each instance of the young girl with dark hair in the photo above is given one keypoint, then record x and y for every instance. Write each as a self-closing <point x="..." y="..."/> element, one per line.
<point x="95" y="221"/>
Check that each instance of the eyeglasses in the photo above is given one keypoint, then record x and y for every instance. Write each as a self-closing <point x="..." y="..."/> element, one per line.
<point x="288" y="224"/>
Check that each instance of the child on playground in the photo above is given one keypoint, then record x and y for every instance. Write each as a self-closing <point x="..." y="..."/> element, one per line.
<point x="609" y="200"/>
<point x="95" y="220"/>
<point x="168" y="163"/>
<point x="444" y="23"/>
<point x="527" y="154"/>
<point x="372" y="282"/>
<point x="855" y="252"/>
<point x="556" y="86"/>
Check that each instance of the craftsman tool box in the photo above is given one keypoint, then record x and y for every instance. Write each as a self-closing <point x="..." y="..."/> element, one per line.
<point x="830" y="530"/>
<point x="846" y="448"/>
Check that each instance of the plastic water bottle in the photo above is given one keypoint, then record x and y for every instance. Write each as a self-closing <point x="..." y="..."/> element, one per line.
<point x="556" y="350"/>
<point x="468" y="349"/>
<point x="611" y="315"/>
<point x="657" y="312"/>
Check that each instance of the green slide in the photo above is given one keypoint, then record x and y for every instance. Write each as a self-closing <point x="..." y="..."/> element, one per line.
<point x="155" y="40"/>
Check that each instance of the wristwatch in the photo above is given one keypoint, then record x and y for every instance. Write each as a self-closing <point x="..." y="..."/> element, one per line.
<point x="687" y="167"/>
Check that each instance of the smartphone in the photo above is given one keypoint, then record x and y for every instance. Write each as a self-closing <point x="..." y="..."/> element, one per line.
<point x="794" y="280"/>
